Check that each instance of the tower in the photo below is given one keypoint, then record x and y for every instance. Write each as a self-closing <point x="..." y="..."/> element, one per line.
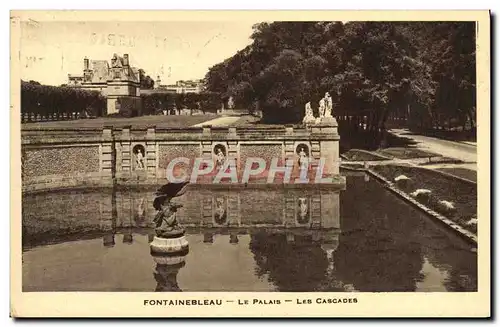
<point x="123" y="87"/>
<point x="125" y="60"/>
<point x="87" y="73"/>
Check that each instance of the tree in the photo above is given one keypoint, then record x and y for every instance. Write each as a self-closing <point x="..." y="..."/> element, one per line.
<point x="146" y="81"/>
<point x="374" y="70"/>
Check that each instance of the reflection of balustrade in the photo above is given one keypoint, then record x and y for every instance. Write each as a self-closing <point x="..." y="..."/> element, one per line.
<point x="108" y="240"/>
<point x="233" y="238"/>
<point x="128" y="238"/>
<point x="208" y="238"/>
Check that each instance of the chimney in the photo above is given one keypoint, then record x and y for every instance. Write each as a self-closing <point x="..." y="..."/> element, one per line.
<point x="85" y="64"/>
<point x="125" y="59"/>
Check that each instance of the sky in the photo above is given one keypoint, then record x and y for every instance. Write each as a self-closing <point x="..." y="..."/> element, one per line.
<point x="173" y="50"/>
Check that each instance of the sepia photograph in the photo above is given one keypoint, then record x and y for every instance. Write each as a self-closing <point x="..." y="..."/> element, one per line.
<point x="305" y="161"/>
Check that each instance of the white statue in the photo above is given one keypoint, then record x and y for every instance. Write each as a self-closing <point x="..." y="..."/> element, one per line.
<point x="303" y="210"/>
<point x="140" y="160"/>
<point x="230" y="103"/>
<point x="303" y="159"/>
<point x="309" y="115"/>
<point x="220" y="158"/>
<point x="220" y="211"/>
<point x="141" y="210"/>
<point x="328" y="105"/>
<point x="322" y="107"/>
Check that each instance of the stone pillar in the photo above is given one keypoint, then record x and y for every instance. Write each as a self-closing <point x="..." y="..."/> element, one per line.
<point x="330" y="209"/>
<point x="207" y="212"/>
<point x="234" y="211"/>
<point x="108" y="215"/>
<point x="316" y="212"/>
<point x="206" y="143"/>
<point x="315" y="155"/>
<point x="232" y="148"/>
<point x="289" y="150"/>
<point x="289" y="211"/>
<point x="125" y="164"/>
<point x="151" y="155"/>
<point x="329" y="147"/>
<point x="107" y="154"/>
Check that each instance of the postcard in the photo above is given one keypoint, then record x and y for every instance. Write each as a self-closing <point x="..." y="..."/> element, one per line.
<point x="250" y="164"/>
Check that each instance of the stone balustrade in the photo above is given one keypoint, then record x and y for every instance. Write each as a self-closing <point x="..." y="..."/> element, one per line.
<point x="72" y="157"/>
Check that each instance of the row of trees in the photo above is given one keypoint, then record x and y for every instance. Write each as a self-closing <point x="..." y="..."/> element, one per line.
<point x="45" y="102"/>
<point x="156" y="103"/>
<point x="423" y="72"/>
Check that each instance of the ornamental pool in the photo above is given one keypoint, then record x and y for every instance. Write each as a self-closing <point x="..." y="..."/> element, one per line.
<point x="362" y="238"/>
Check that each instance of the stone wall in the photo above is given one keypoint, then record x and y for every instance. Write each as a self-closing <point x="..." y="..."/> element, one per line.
<point x="60" y="158"/>
<point x="83" y="157"/>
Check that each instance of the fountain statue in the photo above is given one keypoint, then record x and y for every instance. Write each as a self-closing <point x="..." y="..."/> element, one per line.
<point x="169" y="238"/>
<point x="220" y="158"/>
<point x="322" y="108"/>
<point x="328" y="105"/>
<point x="230" y="103"/>
<point x="303" y="159"/>
<point x="325" y="111"/>
<point x="309" y="115"/>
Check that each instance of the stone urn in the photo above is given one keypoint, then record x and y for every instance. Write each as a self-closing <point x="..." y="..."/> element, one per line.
<point x="169" y="242"/>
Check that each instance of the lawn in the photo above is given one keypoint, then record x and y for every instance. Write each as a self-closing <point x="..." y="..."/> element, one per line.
<point x="247" y="120"/>
<point x="462" y="194"/>
<point x="407" y="153"/>
<point x="159" y="121"/>
<point x="362" y="155"/>
<point x="461" y="172"/>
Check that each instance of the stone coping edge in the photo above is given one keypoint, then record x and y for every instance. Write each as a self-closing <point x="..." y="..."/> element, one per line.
<point x="339" y="184"/>
<point x="462" y="232"/>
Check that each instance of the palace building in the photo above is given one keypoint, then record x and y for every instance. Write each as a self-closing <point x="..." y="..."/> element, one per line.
<point x="188" y="86"/>
<point x="120" y="82"/>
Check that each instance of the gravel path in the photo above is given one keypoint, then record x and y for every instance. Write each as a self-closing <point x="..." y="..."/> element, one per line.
<point x="466" y="152"/>
<point x="221" y="121"/>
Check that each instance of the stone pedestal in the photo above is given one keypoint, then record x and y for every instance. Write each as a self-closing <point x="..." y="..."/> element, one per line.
<point x="330" y="209"/>
<point x="166" y="245"/>
<point x="169" y="243"/>
<point x="329" y="148"/>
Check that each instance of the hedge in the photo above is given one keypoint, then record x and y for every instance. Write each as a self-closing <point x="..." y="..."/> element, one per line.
<point x="156" y="103"/>
<point x="45" y="102"/>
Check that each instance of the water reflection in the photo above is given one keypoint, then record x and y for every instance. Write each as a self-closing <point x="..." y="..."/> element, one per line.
<point x="166" y="271"/>
<point x="360" y="239"/>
